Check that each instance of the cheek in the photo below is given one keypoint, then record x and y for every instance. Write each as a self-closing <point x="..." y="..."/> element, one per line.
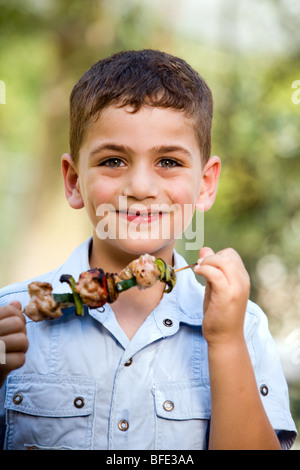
<point x="183" y="194"/>
<point x="99" y="191"/>
<point x="185" y="197"/>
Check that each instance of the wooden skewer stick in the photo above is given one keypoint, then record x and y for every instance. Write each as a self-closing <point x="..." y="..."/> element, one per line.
<point x="185" y="267"/>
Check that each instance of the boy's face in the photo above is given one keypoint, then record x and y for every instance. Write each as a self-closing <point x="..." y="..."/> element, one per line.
<point x="139" y="177"/>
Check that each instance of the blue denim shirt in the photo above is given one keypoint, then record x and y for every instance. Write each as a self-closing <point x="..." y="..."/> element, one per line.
<point x="85" y="385"/>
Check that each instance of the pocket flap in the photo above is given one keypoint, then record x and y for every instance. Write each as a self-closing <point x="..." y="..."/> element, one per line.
<point x="51" y="396"/>
<point x="182" y="401"/>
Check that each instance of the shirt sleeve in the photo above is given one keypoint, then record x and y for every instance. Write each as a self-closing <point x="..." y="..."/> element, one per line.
<point x="270" y="379"/>
<point x="7" y="295"/>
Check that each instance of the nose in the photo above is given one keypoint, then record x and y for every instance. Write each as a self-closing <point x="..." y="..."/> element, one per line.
<point x="141" y="183"/>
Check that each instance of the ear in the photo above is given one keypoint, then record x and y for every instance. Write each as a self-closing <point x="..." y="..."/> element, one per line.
<point x="71" y="182"/>
<point x="209" y="184"/>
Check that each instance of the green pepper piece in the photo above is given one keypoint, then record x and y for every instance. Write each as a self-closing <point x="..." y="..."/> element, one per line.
<point x="79" y="306"/>
<point x="126" y="284"/>
<point x="162" y="267"/>
<point x="167" y="274"/>
<point x="65" y="298"/>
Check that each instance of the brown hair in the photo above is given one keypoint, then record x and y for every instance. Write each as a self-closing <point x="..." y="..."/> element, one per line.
<point x="137" y="78"/>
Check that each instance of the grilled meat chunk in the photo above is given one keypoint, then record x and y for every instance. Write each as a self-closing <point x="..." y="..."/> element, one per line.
<point x="41" y="306"/>
<point x="143" y="269"/>
<point x="92" y="288"/>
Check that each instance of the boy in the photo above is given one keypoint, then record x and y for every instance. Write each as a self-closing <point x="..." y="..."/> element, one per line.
<point x="190" y="369"/>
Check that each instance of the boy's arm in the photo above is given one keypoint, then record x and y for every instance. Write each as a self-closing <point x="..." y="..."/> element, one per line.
<point x="13" y="337"/>
<point x="238" y="418"/>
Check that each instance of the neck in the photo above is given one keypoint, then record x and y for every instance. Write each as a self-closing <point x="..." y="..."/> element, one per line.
<point x="133" y="306"/>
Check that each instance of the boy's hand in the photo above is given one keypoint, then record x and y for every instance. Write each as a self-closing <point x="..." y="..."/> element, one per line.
<point x="13" y="335"/>
<point x="238" y="418"/>
<point x="226" y="295"/>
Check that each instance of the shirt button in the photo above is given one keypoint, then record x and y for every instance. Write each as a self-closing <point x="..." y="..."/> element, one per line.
<point x="128" y="363"/>
<point x="264" y="390"/>
<point x="123" y="425"/>
<point x="167" y="322"/>
<point x="79" y="402"/>
<point x="18" y="398"/>
<point x="168" y="405"/>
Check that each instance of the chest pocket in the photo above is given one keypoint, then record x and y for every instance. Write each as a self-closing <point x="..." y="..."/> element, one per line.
<point x="49" y="412"/>
<point x="182" y="416"/>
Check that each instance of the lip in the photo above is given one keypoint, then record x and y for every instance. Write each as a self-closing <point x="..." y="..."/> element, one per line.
<point x="141" y="217"/>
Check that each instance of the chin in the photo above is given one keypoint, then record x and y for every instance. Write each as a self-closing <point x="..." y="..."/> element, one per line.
<point x="140" y="246"/>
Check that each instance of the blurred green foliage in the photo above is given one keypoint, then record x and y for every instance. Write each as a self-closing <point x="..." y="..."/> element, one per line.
<point x="46" y="45"/>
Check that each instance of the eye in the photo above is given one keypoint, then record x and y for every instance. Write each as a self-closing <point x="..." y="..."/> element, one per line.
<point x="168" y="163"/>
<point x="113" y="162"/>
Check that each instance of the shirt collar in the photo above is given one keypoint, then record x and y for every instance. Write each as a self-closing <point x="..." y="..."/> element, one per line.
<point x="77" y="263"/>
<point x="186" y="299"/>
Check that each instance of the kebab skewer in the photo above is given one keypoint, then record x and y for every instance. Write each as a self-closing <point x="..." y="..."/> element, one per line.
<point x="95" y="288"/>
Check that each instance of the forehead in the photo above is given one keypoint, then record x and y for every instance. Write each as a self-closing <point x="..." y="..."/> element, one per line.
<point x="145" y="128"/>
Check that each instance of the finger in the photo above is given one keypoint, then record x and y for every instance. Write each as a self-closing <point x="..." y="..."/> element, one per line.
<point x="13" y="324"/>
<point x="16" y="342"/>
<point x="204" y="252"/>
<point x="13" y="361"/>
<point x="212" y="274"/>
<point x="14" y="308"/>
<point x="229" y="262"/>
<point x="234" y="267"/>
<point x="16" y="304"/>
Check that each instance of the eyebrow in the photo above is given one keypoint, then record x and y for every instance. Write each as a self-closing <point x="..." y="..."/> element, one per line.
<point x="162" y="149"/>
<point x="165" y="149"/>
<point x="108" y="146"/>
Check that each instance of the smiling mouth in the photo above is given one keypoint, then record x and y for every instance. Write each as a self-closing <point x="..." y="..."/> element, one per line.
<point x="141" y="217"/>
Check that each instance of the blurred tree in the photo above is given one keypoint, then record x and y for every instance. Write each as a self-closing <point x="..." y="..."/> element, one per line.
<point x="256" y="133"/>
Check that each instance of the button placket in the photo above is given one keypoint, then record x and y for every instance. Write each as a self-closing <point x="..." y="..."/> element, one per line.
<point x="264" y="390"/>
<point x="120" y="410"/>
